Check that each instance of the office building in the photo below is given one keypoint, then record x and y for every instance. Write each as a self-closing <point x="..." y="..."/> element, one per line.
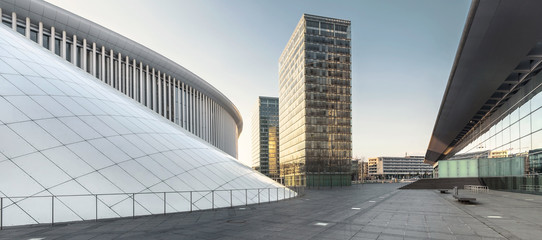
<point x="315" y="103"/>
<point x="363" y="170"/>
<point x="265" y="137"/>
<point x="492" y="105"/>
<point x="74" y="146"/>
<point x="399" y="167"/>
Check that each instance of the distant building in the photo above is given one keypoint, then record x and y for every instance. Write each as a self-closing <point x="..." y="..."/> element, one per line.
<point x="398" y="167"/>
<point x="265" y="137"/>
<point x="315" y="103"/>
<point x="363" y="169"/>
<point x="354" y="169"/>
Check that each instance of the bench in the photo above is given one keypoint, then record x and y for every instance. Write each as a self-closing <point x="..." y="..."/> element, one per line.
<point x="444" y="190"/>
<point x="462" y="198"/>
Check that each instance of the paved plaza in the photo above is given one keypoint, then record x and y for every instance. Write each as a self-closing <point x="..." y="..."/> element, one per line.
<point x="369" y="211"/>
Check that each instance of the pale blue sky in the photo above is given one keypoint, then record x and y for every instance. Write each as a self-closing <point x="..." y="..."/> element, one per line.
<point x="402" y="52"/>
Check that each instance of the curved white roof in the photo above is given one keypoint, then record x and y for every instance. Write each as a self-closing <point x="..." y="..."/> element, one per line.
<point x="63" y="20"/>
<point x="63" y="132"/>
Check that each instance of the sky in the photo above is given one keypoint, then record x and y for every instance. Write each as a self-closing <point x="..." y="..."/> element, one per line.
<point x="402" y="54"/>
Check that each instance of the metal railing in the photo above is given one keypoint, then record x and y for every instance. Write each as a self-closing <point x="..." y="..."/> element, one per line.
<point x="476" y="188"/>
<point x="150" y="203"/>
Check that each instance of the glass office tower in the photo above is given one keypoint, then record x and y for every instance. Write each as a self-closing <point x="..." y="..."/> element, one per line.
<point x="315" y="103"/>
<point x="265" y="137"/>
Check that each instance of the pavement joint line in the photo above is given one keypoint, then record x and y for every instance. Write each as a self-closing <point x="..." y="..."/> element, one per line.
<point x="504" y="233"/>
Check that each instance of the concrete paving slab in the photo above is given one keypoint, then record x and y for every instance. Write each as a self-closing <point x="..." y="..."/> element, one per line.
<point x="394" y="214"/>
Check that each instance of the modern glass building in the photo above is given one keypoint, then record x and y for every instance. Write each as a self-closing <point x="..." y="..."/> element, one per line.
<point x="315" y="103"/>
<point x="265" y="137"/>
<point x="490" y="120"/>
<point x="74" y="147"/>
<point x="156" y="82"/>
<point x="399" y="167"/>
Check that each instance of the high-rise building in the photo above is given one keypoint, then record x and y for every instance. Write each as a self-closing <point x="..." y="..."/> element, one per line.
<point x="315" y="103"/>
<point x="265" y="137"/>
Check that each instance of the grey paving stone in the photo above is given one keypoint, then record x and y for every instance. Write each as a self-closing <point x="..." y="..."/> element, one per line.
<point x="396" y="214"/>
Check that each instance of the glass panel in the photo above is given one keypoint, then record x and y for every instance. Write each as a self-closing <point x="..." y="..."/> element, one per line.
<point x="25" y="85"/>
<point x="514" y="116"/>
<point x="121" y="179"/>
<point x="525" y="144"/>
<point x="537" y="140"/>
<point x="12" y="145"/>
<point x="525" y="126"/>
<point x="514" y="131"/>
<point x="19" y="184"/>
<point x="80" y="127"/>
<point x="41" y="169"/>
<point x="108" y="149"/>
<point x="35" y="135"/>
<point x="525" y="109"/>
<point x="99" y="126"/>
<point x="52" y="106"/>
<point x="68" y="161"/>
<point x="536" y="118"/>
<point x="10" y="113"/>
<point x="90" y="155"/>
<point x="6" y="87"/>
<point x="29" y="107"/>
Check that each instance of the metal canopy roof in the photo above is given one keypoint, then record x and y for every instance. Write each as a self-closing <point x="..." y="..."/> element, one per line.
<point x="498" y="49"/>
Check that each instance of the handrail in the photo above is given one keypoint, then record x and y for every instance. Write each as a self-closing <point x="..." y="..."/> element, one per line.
<point x="15" y="200"/>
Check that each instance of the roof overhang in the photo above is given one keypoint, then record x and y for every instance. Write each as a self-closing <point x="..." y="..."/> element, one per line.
<point x="494" y="54"/>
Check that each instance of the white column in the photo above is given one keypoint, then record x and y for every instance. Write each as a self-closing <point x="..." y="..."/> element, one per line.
<point x="159" y="93"/>
<point x="27" y="27"/>
<point x="119" y="80"/>
<point x="93" y="60"/>
<point x="40" y="32"/>
<point x="136" y="86"/>
<point x="171" y="99"/>
<point x="183" y="105"/>
<point x="127" y="79"/>
<point x="63" y="46"/>
<point x="103" y="66"/>
<point x="176" y="88"/>
<point x="52" y="40"/>
<point x="112" y="70"/>
<point x="74" y="50"/>
<point x="142" y="83"/>
<point x="191" y="114"/>
<point x="14" y="21"/>
<point x="149" y="87"/>
<point x="84" y="57"/>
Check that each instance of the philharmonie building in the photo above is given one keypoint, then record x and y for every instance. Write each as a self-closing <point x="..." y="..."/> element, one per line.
<point x="94" y="125"/>
<point x="489" y="126"/>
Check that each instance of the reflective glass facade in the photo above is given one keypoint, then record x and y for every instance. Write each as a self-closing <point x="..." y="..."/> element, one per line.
<point x="315" y="103"/>
<point x="134" y="70"/>
<point x="265" y="137"/>
<point x="74" y="148"/>
<point x="514" y="131"/>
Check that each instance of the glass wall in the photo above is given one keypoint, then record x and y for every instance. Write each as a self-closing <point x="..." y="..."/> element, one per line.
<point x="517" y="133"/>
